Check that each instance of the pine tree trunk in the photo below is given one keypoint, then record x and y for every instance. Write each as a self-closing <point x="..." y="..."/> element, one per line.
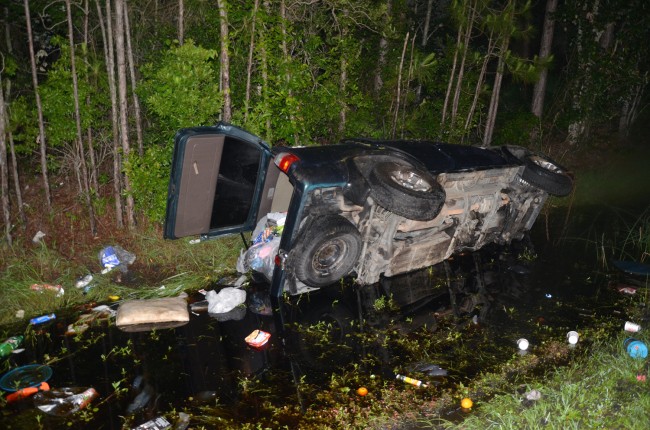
<point x="423" y="44"/>
<point x="85" y="191"/>
<point x="399" y="87"/>
<point x="123" y="104"/>
<point x="225" y="60"/>
<point x="265" y="75"/>
<point x="249" y="69"/>
<point x="107" y="36"/>
<point x="539" y="91"/>
<point x="479" y="84"/>
<point x="381" y="59"/>
<point x="134" y="94"/>
<point x="287" y="59"/>
<point x="39" y="109"/>
<point x="461" y="69"/>
<point x="496" y="91"/>
<point x="94" y="184"/>
<point x="181" y="23"/>
<point x="12" y="149"/>
<point x="4" y="170"/>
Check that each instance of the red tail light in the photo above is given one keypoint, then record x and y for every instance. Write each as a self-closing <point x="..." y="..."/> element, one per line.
<point x="284" y="160"/>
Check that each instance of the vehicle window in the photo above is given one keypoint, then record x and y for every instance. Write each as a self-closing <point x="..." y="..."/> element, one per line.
<point x="238" y="172"/>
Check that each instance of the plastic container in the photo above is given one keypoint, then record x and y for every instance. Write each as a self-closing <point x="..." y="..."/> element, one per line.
<point x="42" y="319"/>
<point x="10" y="345"/>
<point x="522" y="344"/>
<point x="31" y="375"/>
<point x="635" y="348"/>
<point x="572" y="337"/>
<point x="631" y="327"/>
<point x="64" y="401"/>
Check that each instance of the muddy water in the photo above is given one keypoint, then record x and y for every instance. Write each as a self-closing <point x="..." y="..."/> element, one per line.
<point x="443" y="325"/>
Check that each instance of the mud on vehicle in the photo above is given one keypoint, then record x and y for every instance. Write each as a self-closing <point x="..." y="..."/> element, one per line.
<point x="366" y="208"/>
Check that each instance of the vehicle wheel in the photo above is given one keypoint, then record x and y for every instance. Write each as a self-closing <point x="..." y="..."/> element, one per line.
<point x="329" y="250"/>
<point x="406" y="190"/>
<point x="543" y="172"/>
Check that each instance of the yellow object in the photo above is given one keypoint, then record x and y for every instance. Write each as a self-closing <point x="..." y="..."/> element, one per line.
<point x="466" y="403"/>
<point x="407" y="380"/>
<point x="114" y="298"/>
<point x="362" y="391"/>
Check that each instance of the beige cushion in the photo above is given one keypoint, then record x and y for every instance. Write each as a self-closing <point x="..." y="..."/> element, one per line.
<point x="144" y="315"/>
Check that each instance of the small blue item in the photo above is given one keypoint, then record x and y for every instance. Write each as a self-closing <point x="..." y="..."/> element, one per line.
<point x="42" y="319"/>
<point x="635" y="348"/>
<point x="31" y="375"/>
<point x="109" y="257"/>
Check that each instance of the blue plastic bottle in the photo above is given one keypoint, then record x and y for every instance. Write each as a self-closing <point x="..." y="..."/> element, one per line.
<point x="635" y="348"/>
<point x="42" y="319"/>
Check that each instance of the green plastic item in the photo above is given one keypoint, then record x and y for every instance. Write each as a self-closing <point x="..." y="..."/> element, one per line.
<point x="10" y="345"/>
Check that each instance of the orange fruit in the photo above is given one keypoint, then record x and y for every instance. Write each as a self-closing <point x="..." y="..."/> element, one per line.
<point x="466" y="403"/>
<point x="362" y="391"/>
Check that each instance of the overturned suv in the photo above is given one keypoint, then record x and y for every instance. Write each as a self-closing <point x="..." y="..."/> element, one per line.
<point x="363" y="207"/>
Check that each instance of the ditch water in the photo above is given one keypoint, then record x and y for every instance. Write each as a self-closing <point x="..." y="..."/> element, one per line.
<point x="443" y="325"/>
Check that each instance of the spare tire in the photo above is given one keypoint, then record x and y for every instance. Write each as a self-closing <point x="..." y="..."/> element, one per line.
<point x="406" y="190"/>
<point x="327" y="251"/>
<point x="542" y="172"/>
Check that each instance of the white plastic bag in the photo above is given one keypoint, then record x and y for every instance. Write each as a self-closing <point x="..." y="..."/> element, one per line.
<point x="225" y="300"/>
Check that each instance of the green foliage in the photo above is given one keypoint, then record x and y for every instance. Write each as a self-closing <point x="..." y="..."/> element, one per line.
<point x="149" y="177"/>
<point x="58" y="97"/>
<point x="182" y="89"/>
<point x="516" y="128"/>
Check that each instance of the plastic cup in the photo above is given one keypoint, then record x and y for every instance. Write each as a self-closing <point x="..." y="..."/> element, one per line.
<point x="572" y="337"/>
<point x="522" y="344"/>
<point x="631" y="327"/>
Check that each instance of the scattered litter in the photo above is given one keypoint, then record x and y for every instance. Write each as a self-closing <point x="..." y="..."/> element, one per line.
<point x="26" y="392"/>
<point x="641" y="377"/>
<point x="224" y="301"/>
<point x="633" y="267"/>
<point x="627" y="290"/>
<point x="523" y="344"/>
<point x="466" y="403"/>
<point x="149" y="314"/>
<point x="533" y="395"/>
<point x="47" y="287"/>
<point x="183" y="421"/>
<point x="635" y="348"/>
<point x="475" y="320"/>
<point x="362" y="391"/>
<point x="64" y="401"/>
<point x="260" y="256"/>
<point x="411" y="381"/>
<point x="199" y="307"/>
<point x="159" y="423"/>
<point x="83" y="281"/>
<point x="236" y="314"/>
<point x="548" y="295"/>
<point x="114" y="298"/>
<point x="115" y="256"/>
<point x="38" y="237"/>
<point x="10" y="345"/>
<point x="572" y="337"/>
<point x="141" y="400"/>
<point x="260" y="303"/>
<point x="42" y="319"/>
<point x="631" y="327"/>
<point x="20" y="313"/>
<point x="84" y="321"/>
<point x="31" y="375"/>
<point x="258" y="338"/>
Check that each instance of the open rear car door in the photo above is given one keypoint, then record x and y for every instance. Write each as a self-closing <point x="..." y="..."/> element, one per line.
<point x="217" y="182"/>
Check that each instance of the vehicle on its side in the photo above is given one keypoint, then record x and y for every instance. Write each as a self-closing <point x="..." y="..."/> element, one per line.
<point x="370" y="208"/>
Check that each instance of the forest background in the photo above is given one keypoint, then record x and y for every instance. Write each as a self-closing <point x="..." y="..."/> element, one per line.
<point x="93" y="91"/>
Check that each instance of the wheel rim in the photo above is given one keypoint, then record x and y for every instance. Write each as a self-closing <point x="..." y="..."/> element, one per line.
<point x="329" y="256"/>
<point x="411" y="180"/>
<point x="545" y="164"/>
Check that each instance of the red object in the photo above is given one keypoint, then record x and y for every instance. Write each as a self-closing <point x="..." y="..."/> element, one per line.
<point x="284" y="161"/>
<point x="258" y="338"/>
<point x="27" y="392"/>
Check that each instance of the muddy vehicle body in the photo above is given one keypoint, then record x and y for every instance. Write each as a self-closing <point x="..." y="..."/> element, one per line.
<point x="365" y="208"/>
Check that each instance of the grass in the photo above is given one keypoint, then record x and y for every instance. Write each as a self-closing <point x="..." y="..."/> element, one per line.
<point x="162" y="268"/>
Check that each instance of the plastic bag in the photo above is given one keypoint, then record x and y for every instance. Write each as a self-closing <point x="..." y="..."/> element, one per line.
<point x="225" y="300"/>
<point x="115" y="256"/>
